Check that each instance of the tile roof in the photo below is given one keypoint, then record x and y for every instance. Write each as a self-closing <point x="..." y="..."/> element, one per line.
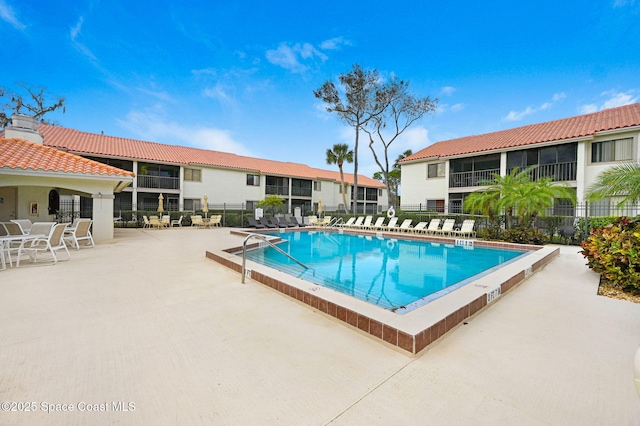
<point x="558" y="130"/>
<point x="26" y="155"/>
<point x="111" y="146"/>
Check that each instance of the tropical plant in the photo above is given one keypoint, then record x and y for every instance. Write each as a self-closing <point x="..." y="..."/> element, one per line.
<point x="518" y="196"/>
<point x="613" y="251"/>
<point x="271" y="201"/>
<point x="338" y="155"/>
<point x="622" y="180"/>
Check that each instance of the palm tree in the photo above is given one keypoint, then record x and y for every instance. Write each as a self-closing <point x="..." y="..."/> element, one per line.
<point x="622" y="180"/>
<point x="518" y="196"/>
<point x="338" y="155"/>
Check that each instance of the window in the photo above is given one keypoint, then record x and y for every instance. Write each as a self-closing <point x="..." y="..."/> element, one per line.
<point x="435" y="206"/>
<point x="614" y="150"/>
<point x="435" y="170"/>
<point x="253" y="180"/>
<point x="191" y="204"/>
<point x="193" y="175"/>
<point x="317" y="186"/>
<point x="252" y="205"/>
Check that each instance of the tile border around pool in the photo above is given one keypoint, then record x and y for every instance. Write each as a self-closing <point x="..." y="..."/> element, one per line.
<point x="415" y="330"/>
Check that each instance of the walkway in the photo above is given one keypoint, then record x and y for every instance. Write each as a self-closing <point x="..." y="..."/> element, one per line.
<point x="149" y="320"/>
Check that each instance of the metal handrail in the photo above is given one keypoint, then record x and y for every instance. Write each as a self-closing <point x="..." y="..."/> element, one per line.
<point x="334" y="222"/>
<point x="264" y="238"/>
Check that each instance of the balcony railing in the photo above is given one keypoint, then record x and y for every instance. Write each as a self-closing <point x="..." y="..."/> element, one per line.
<point x="276" y="190"/>
<point x="557" y="171"/>
<point x="301" y="192"/>
<point x="463" y="179"/>
<point x="160" y="182"/>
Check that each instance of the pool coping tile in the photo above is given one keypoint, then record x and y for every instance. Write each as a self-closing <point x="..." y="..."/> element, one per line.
<point x="410" y="332"/>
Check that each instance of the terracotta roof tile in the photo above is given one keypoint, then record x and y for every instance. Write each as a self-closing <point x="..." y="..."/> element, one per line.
<point x="111" y="146"/>
<point x="558" y="130"/>
<point x="26" y="155"/>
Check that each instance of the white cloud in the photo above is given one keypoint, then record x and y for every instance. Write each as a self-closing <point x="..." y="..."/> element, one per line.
<point x="613" y="99"/>
<point x="457" y="107"/>
<point x="519" y="115"/>
<point x="8" y="15"/>
<point x="154" y="127"/>
<point x="74" y="34"/>
<point x="448" y="90"/>
<point x="334" y="43"/>
<point x="290" y="57"/>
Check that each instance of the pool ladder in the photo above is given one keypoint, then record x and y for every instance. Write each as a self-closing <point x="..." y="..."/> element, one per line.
<point x="335" y="222"/>
<point x="264" y="238"/>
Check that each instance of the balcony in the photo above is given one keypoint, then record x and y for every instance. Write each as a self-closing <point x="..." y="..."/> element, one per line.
<point x="158" y="182"/>
<point x="276" y="190"/>
<point x="464" y="179"/>
<point x="301" y="192"/>
<point x="557" y="171"/>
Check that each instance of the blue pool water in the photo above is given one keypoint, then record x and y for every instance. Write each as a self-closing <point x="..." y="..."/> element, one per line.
<point x="391" y="273"/>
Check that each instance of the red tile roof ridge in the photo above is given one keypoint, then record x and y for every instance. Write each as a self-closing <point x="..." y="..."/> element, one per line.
<point x="112" y="146"/>
<point x="21" y="154"/>
<point x="580" y="126"/>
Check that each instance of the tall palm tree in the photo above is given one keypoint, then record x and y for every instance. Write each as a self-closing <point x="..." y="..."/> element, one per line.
<point x="338" y="155"/>
<point x="622" y="180"/>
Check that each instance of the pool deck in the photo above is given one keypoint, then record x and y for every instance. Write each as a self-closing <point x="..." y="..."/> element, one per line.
<point x="148" y="319"/>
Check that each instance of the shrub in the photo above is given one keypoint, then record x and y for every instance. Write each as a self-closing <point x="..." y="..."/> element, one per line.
<point x="613" y="251"/>
<point x="525" y="235"/>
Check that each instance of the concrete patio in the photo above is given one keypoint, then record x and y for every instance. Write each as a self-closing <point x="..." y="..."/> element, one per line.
<point x="145" y="330"/>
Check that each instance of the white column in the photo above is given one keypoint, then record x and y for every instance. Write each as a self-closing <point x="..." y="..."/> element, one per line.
<point x="102" y="217"/>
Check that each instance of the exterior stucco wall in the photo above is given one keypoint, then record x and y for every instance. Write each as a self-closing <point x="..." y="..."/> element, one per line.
<point x="417" y="188"/>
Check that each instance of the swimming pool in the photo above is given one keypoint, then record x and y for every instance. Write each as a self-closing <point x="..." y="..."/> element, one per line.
<point x="393" y="273"/>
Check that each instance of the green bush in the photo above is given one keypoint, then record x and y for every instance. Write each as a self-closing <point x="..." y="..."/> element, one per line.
<point x="613" y="251"/>
<point x="519" y="235"/>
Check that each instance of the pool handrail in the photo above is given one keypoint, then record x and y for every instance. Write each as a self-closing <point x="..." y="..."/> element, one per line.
<point x="335" y="222"/>
<point x="264" y="238"/>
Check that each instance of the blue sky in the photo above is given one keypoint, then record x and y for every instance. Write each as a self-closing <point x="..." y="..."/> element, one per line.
<point x="239" y="76"/>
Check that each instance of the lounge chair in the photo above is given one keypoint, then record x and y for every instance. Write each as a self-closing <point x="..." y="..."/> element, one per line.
<point x="433" y="227"/>
<point x="358" y="222"/>
<point x="166" y="221"/>
<point x="81" y="231"/>
<point x="282" y="222"/>
<point x="313" y="220"/>
<point x="466" y="230"/>
<point x="296" y="222"/>
<point x="447" y="227"/>
<point x="254" y="223"/>
<point x="348" y="223"/>
<point x="391" y="225"/>
<point x="147" y="224"/>
<point x="177" y="222"/>
<point x="367" y="223"/>
<point x="51" y="243"/>
<point x="420" y="228"/>
<point x="266" y="223"/>
<point x="405" y="226"/>
<point x="378" y="224"/>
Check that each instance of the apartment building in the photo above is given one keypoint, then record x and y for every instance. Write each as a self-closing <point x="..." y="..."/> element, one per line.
<point x="573" y="150"/>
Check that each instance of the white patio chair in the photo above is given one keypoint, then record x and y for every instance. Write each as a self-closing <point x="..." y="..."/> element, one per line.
<point x="25" y="224"/>
<point x="447" y="227"/>
<point x="51" y="243"/>
<point x="81" y="231"/>
<point x="177" y="222"/>
<point x="42" y="228"/>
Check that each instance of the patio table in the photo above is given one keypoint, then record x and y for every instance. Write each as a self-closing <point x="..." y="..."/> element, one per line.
<point x="6" y="240"/>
